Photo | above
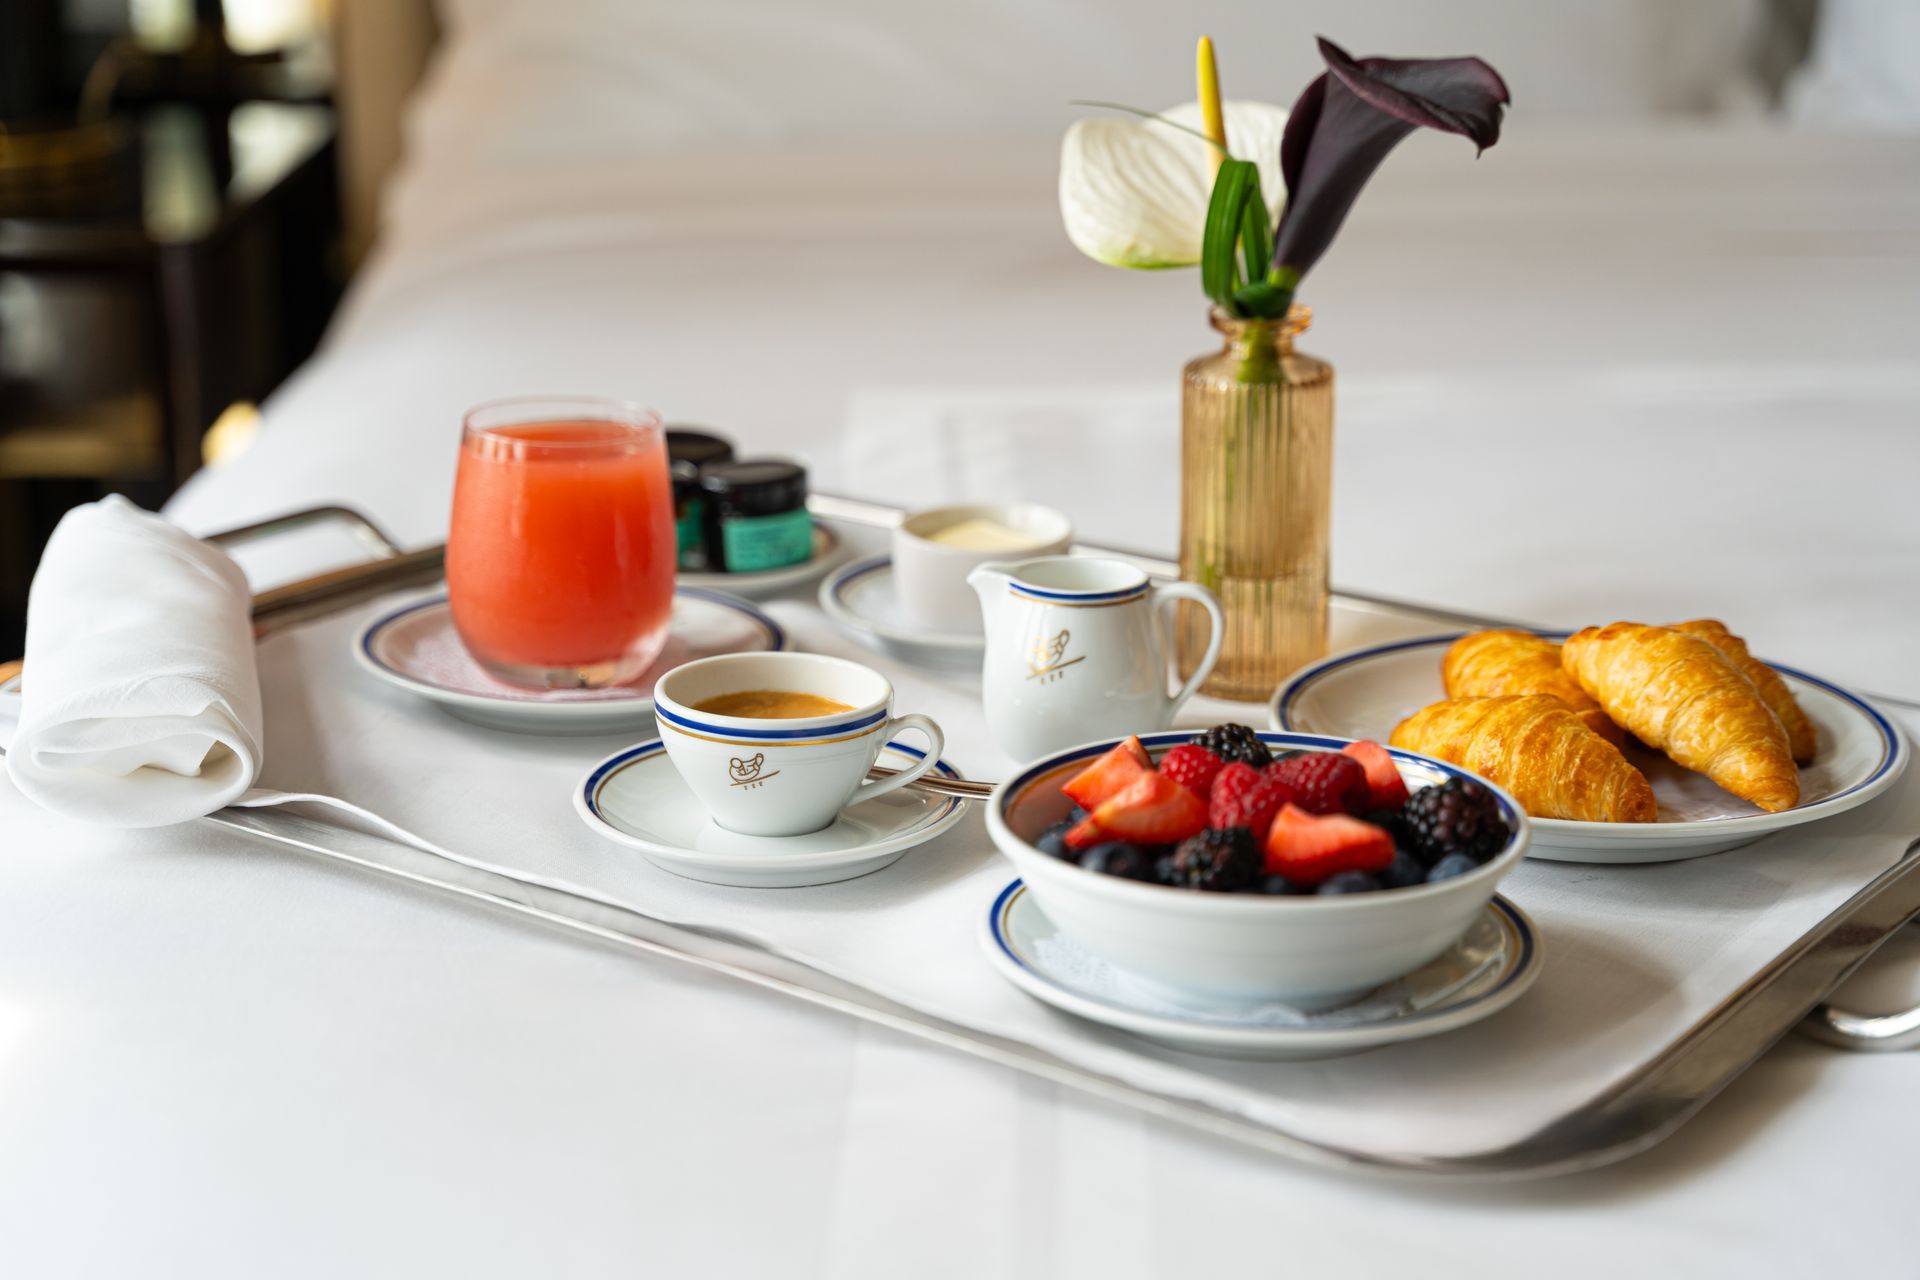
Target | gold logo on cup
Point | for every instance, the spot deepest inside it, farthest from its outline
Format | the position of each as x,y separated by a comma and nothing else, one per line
746,773
1048,658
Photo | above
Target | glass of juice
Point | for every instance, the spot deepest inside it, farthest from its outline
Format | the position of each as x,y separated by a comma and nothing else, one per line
560,559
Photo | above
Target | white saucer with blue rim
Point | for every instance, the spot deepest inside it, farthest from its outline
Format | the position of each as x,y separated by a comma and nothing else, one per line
1365,692
636,798
766,582
1491,966
860,598
416,648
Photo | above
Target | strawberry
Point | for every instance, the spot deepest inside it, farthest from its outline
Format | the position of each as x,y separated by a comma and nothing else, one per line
1111,773
1389,789
1193,767
1325,782
1244,796
1084,834
1308,849
1153,810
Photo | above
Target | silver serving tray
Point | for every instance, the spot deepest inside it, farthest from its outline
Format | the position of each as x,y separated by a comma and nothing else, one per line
1634,1115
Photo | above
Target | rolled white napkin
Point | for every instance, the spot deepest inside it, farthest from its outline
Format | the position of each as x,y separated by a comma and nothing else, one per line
141,699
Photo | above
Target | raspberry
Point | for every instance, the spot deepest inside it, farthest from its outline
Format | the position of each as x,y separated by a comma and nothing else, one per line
1244,796
1193,767
1325,782
1233,742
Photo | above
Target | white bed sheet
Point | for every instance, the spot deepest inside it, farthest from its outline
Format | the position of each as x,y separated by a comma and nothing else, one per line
1594,374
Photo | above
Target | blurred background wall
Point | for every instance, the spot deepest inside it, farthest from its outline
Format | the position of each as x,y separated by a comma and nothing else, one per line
186,185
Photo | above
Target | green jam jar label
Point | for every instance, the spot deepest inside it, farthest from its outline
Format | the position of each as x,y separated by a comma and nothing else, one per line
754,543
690,534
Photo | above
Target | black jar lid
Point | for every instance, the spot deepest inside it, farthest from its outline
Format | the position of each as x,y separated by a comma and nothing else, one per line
758,487
686,479
701,448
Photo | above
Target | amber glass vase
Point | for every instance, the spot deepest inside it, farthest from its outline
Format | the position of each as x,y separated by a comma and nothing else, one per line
1256,479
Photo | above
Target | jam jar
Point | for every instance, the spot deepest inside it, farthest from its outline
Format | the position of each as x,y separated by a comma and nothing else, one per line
756,515
688,450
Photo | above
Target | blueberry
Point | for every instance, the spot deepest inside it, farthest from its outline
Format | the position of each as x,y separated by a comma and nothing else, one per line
1280,885
1053,841
1403,872
1348,882
1117,858
1454,864
1077,815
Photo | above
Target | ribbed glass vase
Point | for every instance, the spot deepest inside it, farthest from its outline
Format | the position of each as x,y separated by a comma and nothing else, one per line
1255,491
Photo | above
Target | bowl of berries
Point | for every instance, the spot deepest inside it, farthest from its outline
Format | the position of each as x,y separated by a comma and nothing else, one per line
1234,865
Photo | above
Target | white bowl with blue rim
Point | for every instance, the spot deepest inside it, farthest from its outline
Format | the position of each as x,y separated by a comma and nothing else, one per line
1365,692
415,648
1239,949
1493,964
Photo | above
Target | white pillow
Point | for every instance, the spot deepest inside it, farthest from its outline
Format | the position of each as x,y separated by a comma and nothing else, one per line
565,79
1864,71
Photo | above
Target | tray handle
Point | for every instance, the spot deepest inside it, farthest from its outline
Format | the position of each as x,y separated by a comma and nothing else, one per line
1863,1033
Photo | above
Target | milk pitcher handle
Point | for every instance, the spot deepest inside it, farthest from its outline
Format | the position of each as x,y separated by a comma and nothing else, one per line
1163,599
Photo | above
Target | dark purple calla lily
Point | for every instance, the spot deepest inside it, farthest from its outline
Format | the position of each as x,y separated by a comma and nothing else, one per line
1347,121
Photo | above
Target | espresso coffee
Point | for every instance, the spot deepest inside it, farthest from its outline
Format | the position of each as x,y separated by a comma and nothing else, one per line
771,704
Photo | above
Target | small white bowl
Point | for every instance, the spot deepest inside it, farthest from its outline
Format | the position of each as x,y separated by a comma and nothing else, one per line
1237,948
931,577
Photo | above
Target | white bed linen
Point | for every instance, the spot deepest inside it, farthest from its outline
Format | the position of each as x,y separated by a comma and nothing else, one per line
1621,374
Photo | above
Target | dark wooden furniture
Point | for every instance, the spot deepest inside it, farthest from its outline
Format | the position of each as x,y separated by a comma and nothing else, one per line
192,271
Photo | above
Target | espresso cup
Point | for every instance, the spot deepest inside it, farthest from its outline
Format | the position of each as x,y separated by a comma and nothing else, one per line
783,776
930,576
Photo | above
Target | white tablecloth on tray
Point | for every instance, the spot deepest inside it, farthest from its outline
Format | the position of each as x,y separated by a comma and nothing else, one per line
1635,955
220,1059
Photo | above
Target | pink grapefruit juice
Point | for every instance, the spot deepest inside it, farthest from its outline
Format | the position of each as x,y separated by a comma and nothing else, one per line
561,555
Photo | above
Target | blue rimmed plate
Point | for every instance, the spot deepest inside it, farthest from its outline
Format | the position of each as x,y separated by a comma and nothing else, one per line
1365,692
415,648
636,798
860,599
1491,966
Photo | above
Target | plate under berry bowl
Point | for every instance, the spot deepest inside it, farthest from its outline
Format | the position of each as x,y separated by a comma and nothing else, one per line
1488,968
1242,949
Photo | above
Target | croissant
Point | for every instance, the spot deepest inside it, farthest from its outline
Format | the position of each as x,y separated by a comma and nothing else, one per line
1773,690
1680,694
1492,664
1540,751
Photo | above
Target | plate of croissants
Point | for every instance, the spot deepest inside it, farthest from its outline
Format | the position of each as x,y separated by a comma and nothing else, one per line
1624,743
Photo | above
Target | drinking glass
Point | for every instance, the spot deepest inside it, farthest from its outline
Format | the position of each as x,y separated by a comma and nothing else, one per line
560,559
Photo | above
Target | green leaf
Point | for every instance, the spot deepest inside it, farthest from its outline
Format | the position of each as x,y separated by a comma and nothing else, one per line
1235,185
1263,300
1256,234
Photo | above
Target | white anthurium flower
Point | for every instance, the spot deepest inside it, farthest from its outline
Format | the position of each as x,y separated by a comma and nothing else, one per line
1134,192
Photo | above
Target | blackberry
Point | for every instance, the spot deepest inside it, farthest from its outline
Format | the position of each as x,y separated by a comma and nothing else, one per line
1458,816
1223,860
1235,742
1117,858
